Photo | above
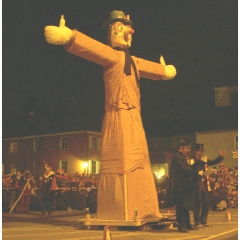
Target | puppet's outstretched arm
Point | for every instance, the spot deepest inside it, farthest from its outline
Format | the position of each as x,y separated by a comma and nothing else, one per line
58,35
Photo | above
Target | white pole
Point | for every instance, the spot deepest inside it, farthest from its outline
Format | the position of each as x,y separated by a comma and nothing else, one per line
125,197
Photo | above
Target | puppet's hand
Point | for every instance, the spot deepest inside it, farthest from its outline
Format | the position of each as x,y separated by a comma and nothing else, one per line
170,70
58,35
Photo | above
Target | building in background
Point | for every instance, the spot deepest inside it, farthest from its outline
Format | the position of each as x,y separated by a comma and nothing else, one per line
80,151
74,152
226,96
161,149
213,140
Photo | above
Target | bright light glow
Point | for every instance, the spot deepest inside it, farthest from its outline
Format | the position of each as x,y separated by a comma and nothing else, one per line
85,165
159,171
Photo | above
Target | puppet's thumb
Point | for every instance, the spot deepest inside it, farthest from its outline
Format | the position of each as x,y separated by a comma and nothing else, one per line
62,21
162,60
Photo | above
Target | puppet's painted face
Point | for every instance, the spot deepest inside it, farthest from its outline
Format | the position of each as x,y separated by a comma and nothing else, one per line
121,35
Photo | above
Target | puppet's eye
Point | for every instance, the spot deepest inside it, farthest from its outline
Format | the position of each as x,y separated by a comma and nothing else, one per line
120,28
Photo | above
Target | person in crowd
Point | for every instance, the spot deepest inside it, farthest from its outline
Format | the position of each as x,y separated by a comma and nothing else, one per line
63,182
212,180
26,184
6,193
88,181
219,197
34,204
74,193
38,192
39,182
181,189
232,199
12,191
82,181
214,173
162,197
223,176
203,183
95,181
164,181
235,174
60,178
34,184
16,185
230,171
47,193
233,183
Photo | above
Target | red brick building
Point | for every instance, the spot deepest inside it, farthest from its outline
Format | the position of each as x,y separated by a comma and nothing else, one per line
78,151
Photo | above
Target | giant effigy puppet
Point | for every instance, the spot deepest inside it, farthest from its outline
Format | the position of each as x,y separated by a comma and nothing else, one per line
126,181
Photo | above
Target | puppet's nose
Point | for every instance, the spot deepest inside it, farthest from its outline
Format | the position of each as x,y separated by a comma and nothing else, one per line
131,31
128,30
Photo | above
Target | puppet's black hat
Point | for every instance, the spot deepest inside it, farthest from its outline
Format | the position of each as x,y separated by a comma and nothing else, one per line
117,16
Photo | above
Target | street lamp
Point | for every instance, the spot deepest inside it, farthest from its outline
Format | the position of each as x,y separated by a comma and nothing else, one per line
85,167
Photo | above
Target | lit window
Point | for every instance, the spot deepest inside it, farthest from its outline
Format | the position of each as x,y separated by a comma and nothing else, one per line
63,165
13,147
94,166
37,145
64,143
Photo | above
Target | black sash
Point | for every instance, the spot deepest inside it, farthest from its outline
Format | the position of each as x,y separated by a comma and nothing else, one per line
128,62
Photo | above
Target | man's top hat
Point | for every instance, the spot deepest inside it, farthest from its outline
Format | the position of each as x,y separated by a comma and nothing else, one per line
199,147
117,16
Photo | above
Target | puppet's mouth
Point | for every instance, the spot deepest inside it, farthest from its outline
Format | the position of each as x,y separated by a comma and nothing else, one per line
126,37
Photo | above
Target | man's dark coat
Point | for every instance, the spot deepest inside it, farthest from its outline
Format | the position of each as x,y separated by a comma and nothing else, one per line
182,181
201,181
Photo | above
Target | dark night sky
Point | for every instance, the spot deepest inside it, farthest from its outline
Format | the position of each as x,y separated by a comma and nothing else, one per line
198,37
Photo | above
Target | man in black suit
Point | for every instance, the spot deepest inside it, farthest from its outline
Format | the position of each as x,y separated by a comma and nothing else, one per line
203,184
182,186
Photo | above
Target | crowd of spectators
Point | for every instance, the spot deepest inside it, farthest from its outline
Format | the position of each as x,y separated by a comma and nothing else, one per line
223,184
80,191
74,192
